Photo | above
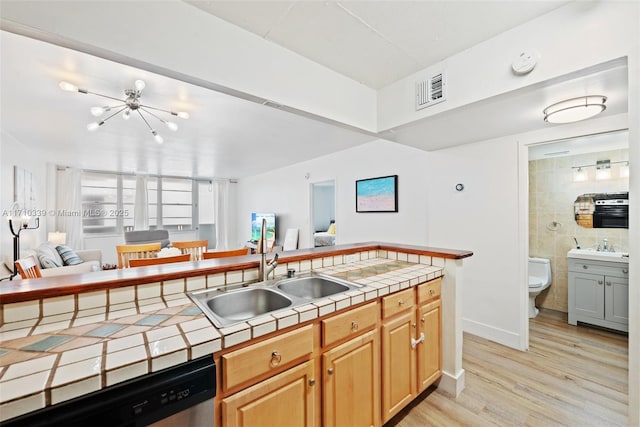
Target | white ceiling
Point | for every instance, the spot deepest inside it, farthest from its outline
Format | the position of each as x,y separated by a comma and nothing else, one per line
377,42
224,137
234,138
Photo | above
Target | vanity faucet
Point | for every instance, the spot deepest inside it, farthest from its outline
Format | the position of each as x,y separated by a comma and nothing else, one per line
604,246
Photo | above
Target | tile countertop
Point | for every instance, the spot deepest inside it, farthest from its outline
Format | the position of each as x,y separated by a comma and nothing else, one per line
47,360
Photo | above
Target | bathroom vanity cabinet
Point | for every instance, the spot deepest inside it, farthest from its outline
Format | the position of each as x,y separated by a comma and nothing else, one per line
599,293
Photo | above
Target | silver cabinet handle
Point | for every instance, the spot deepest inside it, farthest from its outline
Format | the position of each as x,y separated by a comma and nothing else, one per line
625,270
600,282
585,266
415,342
312,382
608,283
330,371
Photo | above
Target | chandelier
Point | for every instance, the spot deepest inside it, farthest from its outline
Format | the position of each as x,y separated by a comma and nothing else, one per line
131,104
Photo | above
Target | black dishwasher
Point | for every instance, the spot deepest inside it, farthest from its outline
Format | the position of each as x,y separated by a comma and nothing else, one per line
134,403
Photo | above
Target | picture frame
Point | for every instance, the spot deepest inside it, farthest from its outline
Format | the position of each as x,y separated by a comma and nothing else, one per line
377,194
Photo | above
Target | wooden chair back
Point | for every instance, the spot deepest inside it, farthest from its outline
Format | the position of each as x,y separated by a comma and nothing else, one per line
28,268
129,252
226,254
142,262
194,247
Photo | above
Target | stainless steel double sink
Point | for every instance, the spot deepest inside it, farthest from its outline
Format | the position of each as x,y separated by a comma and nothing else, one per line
225,308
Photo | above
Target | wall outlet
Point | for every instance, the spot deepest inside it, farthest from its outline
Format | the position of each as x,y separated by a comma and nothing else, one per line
350,258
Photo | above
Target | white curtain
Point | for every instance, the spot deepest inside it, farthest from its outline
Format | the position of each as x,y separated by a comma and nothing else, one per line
141,206
221,212
69,200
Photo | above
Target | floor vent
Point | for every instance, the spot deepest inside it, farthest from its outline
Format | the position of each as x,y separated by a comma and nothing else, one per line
430,92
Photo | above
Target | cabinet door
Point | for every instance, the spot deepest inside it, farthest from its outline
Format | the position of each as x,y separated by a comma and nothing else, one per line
429,351
398,364
588,295
284,400
617,299
351,383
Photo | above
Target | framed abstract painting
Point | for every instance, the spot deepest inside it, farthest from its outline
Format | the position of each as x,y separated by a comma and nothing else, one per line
377,194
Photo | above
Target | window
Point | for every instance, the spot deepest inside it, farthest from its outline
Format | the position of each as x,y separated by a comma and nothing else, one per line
108,203
99,196
176,203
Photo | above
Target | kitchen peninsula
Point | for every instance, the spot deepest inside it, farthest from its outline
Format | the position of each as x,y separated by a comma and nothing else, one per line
66,337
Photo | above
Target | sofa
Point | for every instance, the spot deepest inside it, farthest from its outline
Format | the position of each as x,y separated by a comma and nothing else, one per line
91,261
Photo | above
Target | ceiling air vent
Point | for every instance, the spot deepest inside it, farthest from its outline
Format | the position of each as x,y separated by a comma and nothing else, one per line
430,92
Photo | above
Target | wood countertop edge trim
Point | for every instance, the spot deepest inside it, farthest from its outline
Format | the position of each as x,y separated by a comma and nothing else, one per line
32,289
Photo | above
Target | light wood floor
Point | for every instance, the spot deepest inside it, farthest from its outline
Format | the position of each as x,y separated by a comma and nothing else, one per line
571,376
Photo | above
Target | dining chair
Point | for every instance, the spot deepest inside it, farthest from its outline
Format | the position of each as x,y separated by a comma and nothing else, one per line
143,262
129,252
225,254
28,268
194,247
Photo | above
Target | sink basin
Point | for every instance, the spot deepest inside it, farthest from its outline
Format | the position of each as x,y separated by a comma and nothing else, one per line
593,254
311,287
224,308
235,306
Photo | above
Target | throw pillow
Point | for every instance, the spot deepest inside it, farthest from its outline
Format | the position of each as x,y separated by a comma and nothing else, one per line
49,250
46,262
69,257
332,229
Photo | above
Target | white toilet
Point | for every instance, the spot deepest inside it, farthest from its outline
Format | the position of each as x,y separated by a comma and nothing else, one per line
539,280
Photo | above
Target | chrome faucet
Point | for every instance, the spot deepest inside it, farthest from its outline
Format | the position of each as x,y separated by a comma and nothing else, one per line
265,267
605,247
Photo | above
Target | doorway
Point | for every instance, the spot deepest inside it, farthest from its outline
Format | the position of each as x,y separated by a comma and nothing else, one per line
563,175
323,213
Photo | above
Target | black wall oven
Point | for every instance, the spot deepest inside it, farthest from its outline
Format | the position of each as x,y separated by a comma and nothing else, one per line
611,211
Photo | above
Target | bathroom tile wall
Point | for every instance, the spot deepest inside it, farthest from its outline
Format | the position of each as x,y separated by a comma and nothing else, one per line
552,193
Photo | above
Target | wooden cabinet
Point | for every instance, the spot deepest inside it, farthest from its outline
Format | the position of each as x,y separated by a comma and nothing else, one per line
357,368
351,380
599,293
287,399
349,324
411,345
398,363
430,350
267,357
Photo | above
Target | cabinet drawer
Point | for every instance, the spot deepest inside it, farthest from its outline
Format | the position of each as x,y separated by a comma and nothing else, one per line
429,290
350,323
395,303
242,365
616,269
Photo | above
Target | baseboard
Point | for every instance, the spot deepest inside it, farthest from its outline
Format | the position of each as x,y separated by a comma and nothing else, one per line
452,384
501,336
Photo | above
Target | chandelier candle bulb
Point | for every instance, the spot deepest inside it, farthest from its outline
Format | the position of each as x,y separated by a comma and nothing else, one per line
140,85
68,87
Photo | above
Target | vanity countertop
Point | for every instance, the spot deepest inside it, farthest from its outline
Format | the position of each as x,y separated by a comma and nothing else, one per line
595,255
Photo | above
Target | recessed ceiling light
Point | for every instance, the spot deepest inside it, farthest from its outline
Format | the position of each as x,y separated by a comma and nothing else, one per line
575,109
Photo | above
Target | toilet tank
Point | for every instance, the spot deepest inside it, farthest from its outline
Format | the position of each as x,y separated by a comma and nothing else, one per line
541,268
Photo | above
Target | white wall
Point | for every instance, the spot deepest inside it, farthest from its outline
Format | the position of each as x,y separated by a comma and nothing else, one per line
483,218
14,153
287,193
570,38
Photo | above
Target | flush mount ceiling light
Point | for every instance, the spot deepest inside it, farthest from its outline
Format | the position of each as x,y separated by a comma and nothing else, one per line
131,104
575,109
